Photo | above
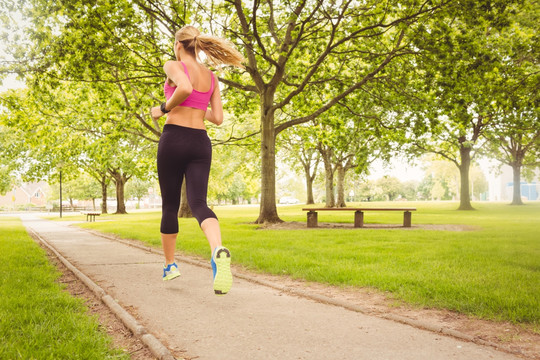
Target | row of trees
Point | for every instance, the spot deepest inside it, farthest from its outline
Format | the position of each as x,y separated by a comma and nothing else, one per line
458,97
350,82
440,182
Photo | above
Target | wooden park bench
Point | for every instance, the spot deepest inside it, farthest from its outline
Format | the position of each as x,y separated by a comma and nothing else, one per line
312,220
91,215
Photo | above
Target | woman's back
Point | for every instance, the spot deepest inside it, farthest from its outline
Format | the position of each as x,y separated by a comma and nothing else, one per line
200,76
191,112
190,87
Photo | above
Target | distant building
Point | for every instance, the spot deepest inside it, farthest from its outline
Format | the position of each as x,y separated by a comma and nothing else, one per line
29,195
501,186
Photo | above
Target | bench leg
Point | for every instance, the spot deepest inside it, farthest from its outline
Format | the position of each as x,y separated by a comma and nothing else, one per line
407,215
312,221
358,219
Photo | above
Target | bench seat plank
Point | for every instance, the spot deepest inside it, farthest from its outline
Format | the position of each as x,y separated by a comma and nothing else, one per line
359,209
91,215
312,216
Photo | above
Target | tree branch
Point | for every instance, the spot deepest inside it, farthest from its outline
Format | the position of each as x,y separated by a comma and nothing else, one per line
352,88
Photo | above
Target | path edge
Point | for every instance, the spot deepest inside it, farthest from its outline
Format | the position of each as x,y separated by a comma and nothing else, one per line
155,346
419,324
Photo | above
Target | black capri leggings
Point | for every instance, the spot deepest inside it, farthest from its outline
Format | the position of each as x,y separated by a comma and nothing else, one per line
183,151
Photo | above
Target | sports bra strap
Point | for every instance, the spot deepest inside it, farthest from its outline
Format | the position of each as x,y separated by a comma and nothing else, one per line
197,99
185,70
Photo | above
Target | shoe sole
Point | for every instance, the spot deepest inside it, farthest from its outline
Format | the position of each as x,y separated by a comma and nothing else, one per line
223,280
171,276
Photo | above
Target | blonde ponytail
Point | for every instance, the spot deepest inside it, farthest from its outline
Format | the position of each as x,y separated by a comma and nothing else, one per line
218,51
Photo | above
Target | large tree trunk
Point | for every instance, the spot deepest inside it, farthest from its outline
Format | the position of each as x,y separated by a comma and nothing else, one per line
104,184
119,181
516,197
328,177
309,186
465,197
268,210
341,187
120,200
307,164
185,210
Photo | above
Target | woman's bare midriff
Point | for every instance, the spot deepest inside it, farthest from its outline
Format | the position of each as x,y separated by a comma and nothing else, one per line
187,117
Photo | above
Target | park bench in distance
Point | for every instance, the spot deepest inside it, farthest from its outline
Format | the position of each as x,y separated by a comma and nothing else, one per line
312,217
91,215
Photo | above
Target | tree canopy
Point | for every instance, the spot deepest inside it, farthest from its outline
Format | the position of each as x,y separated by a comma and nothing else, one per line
447,76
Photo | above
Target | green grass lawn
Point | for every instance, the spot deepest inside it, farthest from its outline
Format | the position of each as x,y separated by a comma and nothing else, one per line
492,272
38,320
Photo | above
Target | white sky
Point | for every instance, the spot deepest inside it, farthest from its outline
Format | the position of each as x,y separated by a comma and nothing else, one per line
10,82
404,171
398,168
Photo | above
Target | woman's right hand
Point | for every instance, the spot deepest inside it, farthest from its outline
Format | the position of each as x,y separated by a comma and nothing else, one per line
156,112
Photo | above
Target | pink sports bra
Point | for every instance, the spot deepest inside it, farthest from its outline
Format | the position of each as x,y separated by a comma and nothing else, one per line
197,99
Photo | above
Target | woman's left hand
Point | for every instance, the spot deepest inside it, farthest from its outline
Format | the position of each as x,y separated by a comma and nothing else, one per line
156,112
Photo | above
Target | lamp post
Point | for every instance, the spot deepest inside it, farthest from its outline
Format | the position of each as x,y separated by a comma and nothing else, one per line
60,166
60,192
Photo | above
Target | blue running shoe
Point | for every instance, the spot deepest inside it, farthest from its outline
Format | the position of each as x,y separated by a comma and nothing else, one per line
221,265
170,272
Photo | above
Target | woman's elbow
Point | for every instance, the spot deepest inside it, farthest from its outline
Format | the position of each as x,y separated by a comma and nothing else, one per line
218,120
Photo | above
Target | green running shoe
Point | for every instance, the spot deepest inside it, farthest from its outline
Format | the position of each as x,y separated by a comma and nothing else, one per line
221,264
170,272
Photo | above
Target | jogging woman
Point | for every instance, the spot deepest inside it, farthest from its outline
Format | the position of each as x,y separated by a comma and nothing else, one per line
184,147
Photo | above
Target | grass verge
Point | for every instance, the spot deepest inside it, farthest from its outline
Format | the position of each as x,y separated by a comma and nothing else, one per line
38,320
492,272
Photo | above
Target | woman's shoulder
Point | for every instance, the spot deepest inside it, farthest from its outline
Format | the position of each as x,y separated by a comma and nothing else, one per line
172,64
175,66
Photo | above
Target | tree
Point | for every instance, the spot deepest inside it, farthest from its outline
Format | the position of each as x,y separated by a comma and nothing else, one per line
391,187
327,154
138,188
410,190
110,48
123,43
233,175
100,175
347,141
304,57
479,184
299,148
81,187
515,137
443,177
425,187
462,80
5,180
438,192
134,157
75,139
10,146
32,157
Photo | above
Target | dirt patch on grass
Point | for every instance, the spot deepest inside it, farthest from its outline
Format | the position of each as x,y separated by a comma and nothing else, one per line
296,225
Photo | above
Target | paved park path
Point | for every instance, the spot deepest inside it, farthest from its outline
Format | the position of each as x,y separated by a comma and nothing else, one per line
252,322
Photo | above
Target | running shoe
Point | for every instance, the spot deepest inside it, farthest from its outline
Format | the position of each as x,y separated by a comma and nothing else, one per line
170,272
221,265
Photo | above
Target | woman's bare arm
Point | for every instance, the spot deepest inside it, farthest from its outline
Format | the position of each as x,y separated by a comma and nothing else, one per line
215,113
175,73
